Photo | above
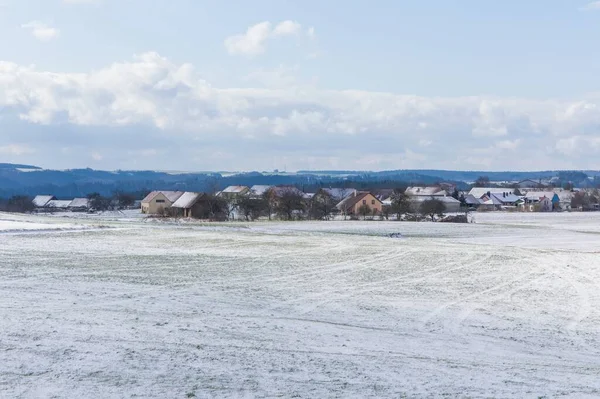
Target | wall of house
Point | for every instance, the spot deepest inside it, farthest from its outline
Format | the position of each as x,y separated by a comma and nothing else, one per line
156,205
371,201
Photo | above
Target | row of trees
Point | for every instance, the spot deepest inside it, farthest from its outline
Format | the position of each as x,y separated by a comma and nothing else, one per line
286,204
291,205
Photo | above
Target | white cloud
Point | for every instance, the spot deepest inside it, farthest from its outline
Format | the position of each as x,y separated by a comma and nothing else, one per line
291,118
310,32
254,40
287,28
16,149
250,43
594,5
41,31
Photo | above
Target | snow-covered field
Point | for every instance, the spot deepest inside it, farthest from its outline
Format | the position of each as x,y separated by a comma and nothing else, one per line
125,307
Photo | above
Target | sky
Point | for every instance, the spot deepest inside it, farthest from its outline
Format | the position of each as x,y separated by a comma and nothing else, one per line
237,85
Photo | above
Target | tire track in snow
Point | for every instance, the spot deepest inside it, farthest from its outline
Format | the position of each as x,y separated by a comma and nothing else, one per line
365,288
435,313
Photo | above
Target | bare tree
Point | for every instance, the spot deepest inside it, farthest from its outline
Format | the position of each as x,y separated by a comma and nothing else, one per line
432,208
270,200
364,210
322,206
400,203
20,203
482,181
252,208
288,203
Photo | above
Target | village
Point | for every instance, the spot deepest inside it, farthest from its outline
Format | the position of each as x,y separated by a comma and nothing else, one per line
433,203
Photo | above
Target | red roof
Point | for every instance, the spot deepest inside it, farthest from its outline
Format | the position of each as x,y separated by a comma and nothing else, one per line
352,201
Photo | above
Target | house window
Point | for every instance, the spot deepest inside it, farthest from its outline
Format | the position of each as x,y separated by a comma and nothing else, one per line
372,202
364,202
160,201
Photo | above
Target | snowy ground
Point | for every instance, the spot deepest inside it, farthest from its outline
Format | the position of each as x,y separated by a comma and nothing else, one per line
124,307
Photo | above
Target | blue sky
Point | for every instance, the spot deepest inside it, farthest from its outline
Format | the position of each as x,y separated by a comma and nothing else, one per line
238,85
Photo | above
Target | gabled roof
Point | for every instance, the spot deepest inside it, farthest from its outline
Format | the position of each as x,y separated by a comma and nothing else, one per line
187,200
445,200
426,191
259,189
235,189
479,192
351,201
383,194
59,204
172,196
471,200
42,200
80,203
506,198
338,193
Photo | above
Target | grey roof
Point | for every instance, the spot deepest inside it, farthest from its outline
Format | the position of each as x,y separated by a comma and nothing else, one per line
446,200
42,200
59,204
234,189
479,192
471,200
187,200
80,203
426,191
506,199
259,189
340,193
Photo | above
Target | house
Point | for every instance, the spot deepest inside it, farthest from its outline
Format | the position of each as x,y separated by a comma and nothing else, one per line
431,191
234,191
537,197
58,205
187,205
505,199
40,201
352,205
158,201
546,204
80,205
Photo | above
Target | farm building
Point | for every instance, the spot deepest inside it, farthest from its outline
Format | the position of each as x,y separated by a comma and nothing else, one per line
80,204
58,205
40,201
158,201
234,191
259,190
188,205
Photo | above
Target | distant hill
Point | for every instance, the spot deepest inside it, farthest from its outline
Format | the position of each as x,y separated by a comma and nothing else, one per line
32,180
17,166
